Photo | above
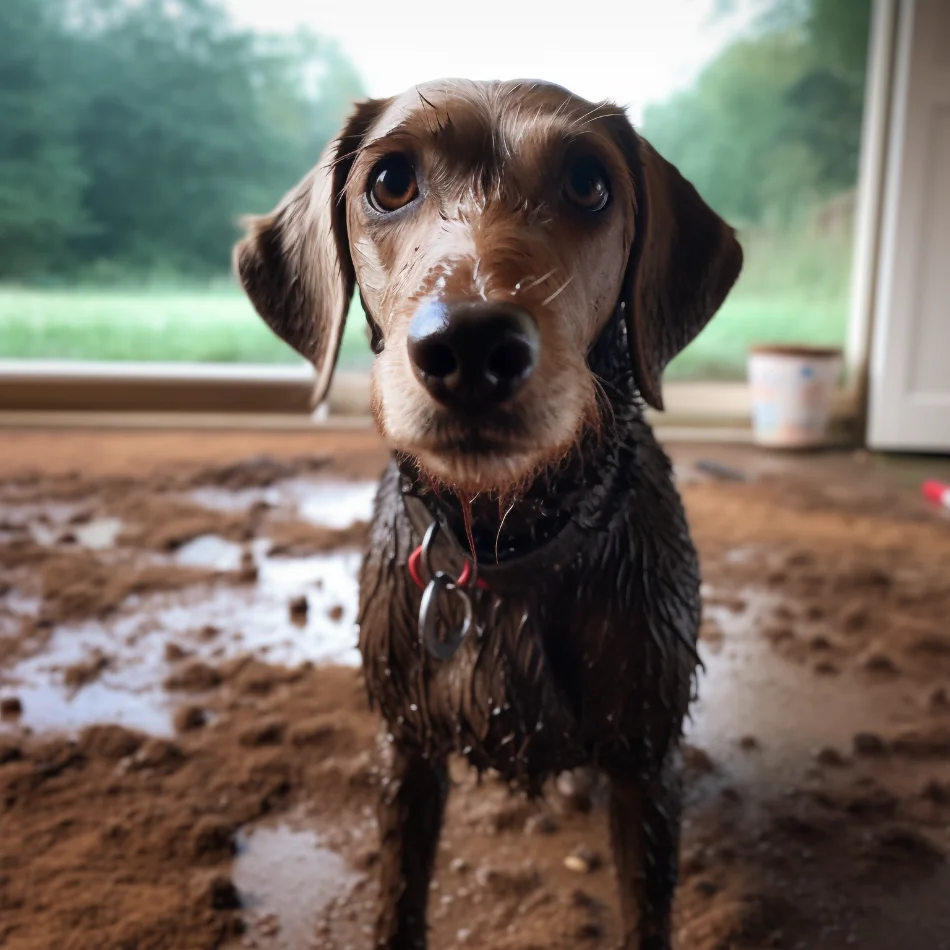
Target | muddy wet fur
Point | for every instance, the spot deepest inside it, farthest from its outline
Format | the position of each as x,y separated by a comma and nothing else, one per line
583,649
590,660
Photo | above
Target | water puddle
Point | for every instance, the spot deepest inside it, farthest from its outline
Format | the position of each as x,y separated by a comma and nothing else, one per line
212,622
15,609
328,503
210,551
98,534
53,523
337,506
286,879
44,522
749,690
256,618
225,499
48,706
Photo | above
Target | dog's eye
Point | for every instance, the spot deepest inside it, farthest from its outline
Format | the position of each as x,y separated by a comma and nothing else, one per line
392,184
586,186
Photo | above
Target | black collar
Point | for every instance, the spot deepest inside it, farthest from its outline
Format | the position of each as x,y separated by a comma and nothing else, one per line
547,525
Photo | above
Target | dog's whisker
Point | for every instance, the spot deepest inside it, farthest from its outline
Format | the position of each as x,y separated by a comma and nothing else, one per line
539,280
557,292
590,118
501,526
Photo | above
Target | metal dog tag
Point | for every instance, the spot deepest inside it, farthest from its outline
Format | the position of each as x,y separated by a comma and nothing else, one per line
442,648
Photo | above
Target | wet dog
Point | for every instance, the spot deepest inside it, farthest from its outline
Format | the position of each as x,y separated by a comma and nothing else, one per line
530,596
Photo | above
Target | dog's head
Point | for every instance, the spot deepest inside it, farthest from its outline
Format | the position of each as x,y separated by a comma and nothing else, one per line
492,230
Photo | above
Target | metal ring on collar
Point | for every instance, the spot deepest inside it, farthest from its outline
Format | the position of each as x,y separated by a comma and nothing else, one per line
442,649
427,543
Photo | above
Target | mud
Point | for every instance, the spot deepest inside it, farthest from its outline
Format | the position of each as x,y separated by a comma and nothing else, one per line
187,759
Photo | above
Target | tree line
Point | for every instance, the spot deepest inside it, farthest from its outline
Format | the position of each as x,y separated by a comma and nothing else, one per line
773,124
134,135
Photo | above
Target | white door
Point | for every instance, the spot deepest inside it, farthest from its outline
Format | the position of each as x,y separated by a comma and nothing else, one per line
909,388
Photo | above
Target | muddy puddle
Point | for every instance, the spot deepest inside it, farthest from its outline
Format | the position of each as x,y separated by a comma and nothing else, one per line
287,880
761,716
143,641
188,760
333,504
286,610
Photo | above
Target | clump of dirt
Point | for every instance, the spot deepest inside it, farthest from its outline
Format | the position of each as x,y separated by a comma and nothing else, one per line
188,718
300,539
259,471
21,551
165,523
75,587
298,608
136,834
195,677
80,674
252,676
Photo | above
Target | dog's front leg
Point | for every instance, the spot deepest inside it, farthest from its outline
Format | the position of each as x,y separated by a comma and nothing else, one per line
410,818
644,831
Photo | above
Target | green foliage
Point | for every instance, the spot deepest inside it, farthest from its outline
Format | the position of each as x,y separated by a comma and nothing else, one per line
135,135
773,124
41,180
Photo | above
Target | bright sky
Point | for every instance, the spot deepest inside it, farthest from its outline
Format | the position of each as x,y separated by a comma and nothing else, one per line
631,51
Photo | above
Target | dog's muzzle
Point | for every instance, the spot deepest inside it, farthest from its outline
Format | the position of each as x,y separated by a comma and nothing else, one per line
473,355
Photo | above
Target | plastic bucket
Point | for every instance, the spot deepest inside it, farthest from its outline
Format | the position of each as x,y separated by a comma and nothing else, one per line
792,390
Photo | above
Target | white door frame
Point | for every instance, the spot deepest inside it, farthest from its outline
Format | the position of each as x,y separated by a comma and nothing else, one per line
870,192
904,411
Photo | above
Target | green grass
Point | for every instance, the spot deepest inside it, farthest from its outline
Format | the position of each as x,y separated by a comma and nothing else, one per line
214,326
793,289
719,352
221,327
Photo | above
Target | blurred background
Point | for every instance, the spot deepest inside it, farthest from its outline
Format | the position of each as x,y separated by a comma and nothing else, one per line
136,132
187,759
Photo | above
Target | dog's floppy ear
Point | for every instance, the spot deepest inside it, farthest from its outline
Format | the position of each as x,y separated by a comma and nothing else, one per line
683,262
295,263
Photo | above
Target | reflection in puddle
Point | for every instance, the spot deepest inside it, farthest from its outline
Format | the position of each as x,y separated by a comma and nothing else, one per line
339,506
286,879
253,618
15,608
58,524
248,618
740,555
210,551
327,503
225,499
98,534
749,689
46,705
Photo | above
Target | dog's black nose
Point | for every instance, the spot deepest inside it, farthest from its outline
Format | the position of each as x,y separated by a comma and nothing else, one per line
470,354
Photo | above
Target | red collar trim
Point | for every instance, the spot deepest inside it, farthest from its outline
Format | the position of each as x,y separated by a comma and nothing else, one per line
415,572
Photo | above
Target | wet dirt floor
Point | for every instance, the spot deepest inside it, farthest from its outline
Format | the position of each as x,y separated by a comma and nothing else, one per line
187,759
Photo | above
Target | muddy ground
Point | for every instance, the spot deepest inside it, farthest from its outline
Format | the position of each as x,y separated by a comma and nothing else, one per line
187,759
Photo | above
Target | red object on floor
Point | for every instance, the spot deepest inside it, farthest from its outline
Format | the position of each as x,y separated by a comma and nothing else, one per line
937,492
